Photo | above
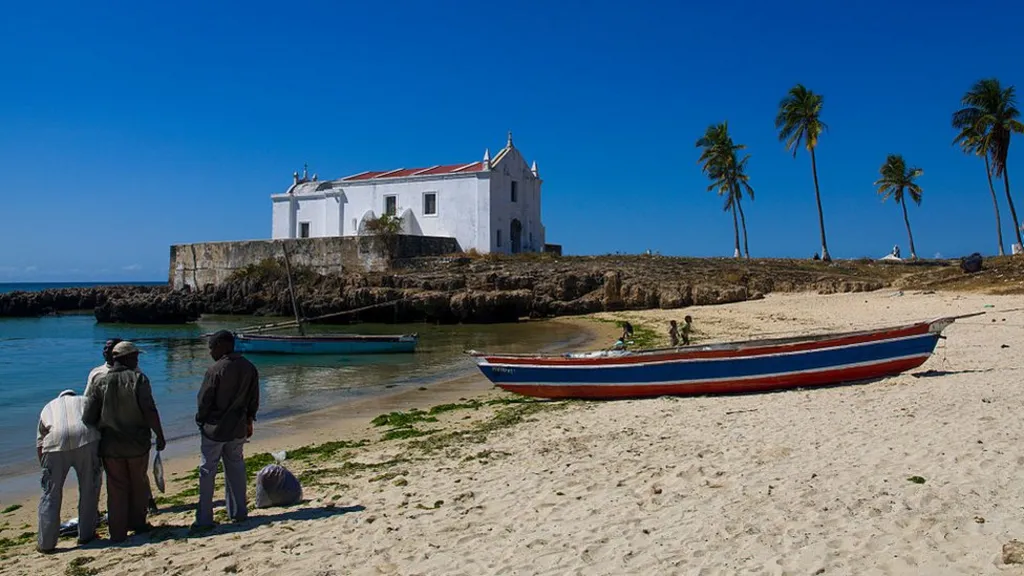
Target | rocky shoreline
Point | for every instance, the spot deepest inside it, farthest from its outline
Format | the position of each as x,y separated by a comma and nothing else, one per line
21,304
472,290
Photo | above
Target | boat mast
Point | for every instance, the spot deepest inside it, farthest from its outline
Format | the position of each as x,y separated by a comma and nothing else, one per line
291,288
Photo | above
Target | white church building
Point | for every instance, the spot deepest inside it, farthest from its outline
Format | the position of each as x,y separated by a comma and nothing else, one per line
491,205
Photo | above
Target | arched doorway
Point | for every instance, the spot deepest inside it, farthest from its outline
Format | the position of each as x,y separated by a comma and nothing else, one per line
516,236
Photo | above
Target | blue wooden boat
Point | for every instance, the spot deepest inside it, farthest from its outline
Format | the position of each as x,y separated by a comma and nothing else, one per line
342,344
752,366
252,340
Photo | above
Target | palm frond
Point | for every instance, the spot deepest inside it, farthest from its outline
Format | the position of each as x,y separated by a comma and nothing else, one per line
798,120
896,179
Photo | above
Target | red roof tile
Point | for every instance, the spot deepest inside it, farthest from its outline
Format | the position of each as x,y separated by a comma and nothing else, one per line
428,171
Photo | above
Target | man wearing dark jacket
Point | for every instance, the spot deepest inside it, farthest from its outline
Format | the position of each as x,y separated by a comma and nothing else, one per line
120,404
227,404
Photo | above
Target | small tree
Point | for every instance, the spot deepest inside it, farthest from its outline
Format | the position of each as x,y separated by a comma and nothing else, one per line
386,229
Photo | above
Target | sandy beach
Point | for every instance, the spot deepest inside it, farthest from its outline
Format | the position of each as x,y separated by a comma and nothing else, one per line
799,482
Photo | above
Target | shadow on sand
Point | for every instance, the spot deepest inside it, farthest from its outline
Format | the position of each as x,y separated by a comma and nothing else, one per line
937,373
182,532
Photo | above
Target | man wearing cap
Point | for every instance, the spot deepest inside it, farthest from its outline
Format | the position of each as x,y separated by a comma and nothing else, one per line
227,404
64,442
102,369
99,372
120,404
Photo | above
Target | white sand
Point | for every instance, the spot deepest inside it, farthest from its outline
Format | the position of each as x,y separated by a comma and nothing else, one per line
801,482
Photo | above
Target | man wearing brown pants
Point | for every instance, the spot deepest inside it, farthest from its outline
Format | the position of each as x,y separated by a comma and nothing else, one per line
121,406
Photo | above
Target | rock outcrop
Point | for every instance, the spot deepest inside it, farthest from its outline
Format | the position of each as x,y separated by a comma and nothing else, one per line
488,290
53,301
468,290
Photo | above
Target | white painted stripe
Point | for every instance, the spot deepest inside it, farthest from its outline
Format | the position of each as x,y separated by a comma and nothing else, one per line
714,380
640,359
385,175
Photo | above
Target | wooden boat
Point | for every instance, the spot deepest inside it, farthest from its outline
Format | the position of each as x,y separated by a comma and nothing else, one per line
752,366
252,340
325,344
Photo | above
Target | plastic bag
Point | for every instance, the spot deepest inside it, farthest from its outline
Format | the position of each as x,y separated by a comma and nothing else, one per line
158,472
276,485
70,528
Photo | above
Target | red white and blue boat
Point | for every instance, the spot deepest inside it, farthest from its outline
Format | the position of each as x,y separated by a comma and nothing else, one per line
736,367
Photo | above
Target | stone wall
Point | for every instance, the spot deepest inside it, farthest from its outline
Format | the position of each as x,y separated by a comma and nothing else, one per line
198,265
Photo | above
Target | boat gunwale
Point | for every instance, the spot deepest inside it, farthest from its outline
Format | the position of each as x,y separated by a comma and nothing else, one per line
694,350
328,338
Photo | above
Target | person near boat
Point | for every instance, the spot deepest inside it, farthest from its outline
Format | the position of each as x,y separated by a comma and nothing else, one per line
680,335
227,404
120,404
64,442
100,371
684,331
625,339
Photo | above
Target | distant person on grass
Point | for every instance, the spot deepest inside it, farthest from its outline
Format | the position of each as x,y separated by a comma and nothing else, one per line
227,404
120,404
624,340
99,372
64,442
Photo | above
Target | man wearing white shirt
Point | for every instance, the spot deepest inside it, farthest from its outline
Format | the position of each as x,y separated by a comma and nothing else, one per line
64,442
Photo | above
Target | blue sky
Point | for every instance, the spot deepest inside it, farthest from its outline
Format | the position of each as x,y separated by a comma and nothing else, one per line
128,126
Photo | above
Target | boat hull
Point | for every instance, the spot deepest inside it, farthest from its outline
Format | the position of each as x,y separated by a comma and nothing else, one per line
325,344
717,369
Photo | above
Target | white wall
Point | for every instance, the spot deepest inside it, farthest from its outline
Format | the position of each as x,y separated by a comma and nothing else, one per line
461,200
526,209
281,227
312,210
470,207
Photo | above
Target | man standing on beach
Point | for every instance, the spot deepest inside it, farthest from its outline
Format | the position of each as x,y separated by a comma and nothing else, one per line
120,404
64,442
102,369
227,404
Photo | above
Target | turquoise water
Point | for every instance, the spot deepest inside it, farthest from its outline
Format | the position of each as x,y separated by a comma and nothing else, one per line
39,357
37,286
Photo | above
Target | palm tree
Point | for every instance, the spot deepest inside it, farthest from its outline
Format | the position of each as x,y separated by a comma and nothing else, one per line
897,180
744,187
728,175
972,141
992,111
799,122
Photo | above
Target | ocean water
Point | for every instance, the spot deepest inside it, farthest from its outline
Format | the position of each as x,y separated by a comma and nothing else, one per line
37,286
40,357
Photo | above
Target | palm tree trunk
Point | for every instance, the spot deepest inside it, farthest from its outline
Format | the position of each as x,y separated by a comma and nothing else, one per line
1009,200
736,231
910,235
995,204
743,223
821,216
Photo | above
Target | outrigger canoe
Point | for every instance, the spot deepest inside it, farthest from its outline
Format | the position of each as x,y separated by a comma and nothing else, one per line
735,367
325,344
